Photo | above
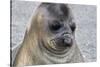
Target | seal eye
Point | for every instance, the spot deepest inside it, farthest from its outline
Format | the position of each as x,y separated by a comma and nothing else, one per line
73,26
56,25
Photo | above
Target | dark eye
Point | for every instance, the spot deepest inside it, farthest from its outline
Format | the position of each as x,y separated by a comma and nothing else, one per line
56,25
73,26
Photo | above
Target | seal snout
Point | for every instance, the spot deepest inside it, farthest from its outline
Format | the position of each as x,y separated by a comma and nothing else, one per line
63,41
67,39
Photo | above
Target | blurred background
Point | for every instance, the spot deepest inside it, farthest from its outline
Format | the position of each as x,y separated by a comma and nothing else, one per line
85,17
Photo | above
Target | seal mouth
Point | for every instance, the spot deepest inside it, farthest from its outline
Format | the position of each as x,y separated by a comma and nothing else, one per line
63,42
58,45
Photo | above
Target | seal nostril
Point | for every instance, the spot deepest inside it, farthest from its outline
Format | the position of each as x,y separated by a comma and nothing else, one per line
66,34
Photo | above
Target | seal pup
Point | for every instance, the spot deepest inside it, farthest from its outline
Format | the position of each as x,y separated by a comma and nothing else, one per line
50,38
